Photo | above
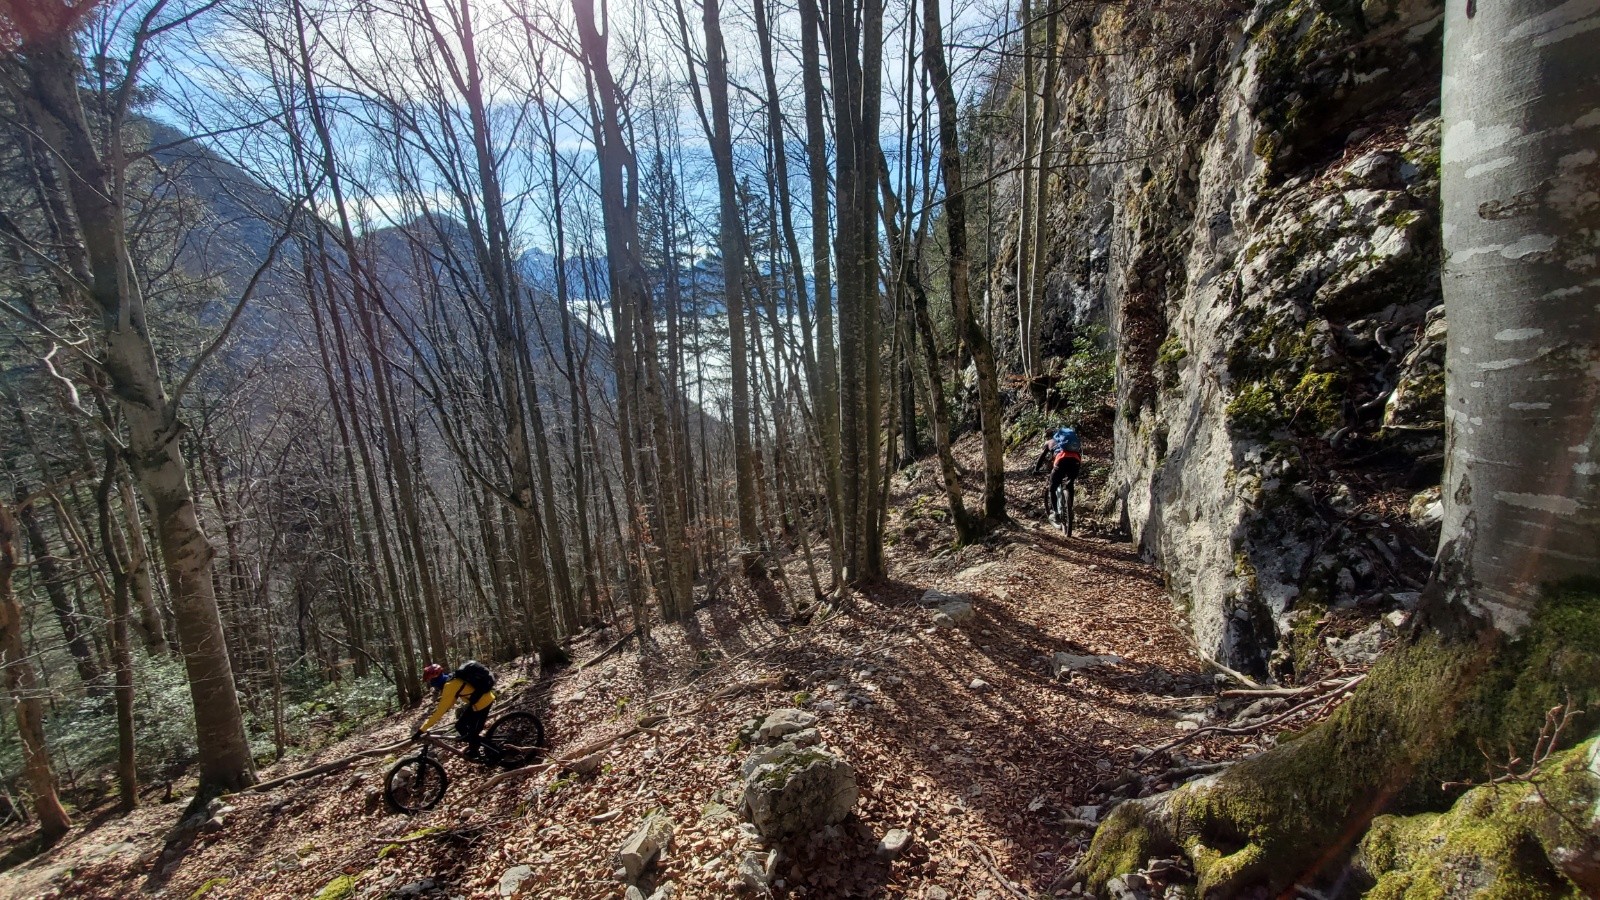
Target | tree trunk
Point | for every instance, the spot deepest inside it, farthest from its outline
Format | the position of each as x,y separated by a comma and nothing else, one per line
1522,478
580,480
72,625
129,360
619,195
1507,628
23,686
973,336
1041,184
731,239
151,630
120,563
1025,217
967,529
856,54
827,399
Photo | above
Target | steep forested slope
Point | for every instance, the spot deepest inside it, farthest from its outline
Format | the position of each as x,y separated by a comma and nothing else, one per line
995,741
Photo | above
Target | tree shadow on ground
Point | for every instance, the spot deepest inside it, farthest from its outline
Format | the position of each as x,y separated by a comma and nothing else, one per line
1018,751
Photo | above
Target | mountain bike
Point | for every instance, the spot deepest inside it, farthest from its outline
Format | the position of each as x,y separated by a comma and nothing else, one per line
1065,492
417,783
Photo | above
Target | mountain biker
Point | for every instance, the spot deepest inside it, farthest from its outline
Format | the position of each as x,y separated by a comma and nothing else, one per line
1062,450
473,685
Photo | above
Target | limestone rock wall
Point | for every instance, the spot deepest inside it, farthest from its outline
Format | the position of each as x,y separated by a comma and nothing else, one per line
1247,194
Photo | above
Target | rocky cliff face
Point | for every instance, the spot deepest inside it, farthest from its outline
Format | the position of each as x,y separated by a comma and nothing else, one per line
1248,196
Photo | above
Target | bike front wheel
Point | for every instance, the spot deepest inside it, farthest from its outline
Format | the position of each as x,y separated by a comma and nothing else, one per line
515,739
415,784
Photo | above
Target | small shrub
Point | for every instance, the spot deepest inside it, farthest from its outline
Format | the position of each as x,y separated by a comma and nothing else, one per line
1168,357
1087,387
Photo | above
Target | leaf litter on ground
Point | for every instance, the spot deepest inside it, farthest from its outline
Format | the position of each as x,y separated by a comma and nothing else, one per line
992,783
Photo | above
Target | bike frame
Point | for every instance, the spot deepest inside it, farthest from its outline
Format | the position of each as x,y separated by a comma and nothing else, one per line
430,740
449,745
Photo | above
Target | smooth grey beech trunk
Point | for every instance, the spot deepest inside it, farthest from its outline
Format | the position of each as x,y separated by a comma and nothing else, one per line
1521,209
129,360
731,238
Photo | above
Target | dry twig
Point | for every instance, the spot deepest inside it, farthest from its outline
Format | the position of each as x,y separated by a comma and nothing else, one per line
994,870
1250,729
1556,720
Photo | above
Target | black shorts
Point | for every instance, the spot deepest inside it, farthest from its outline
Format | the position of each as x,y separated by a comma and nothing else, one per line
1067,468
470,722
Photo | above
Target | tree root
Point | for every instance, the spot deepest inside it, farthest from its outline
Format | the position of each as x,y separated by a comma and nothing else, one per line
645,724
1329,696
1291,814
328,767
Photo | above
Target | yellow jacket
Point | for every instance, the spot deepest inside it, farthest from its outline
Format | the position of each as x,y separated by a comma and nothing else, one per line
457,689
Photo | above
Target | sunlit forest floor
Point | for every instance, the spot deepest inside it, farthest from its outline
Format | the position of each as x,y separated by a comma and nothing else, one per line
961,735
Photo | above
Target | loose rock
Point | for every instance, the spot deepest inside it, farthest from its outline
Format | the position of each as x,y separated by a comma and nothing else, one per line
588,766
894,844
957,611
511,881
1071,662
1128,887
936,597
756,870
642,848
1361,648
782,722
793,790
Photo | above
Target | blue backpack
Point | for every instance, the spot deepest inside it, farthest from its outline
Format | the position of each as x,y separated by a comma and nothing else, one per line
1066,439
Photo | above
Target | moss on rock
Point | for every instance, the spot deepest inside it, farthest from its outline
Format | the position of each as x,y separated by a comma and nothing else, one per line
1500,841
1304,636
1131,834
1419,720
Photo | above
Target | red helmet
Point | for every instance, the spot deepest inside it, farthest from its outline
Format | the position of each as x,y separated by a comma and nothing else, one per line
432,672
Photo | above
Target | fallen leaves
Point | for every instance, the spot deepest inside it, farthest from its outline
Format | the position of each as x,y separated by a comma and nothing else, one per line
987,780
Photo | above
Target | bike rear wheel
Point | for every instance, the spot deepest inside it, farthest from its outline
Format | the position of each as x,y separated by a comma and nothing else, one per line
415,784
1064,498
515,739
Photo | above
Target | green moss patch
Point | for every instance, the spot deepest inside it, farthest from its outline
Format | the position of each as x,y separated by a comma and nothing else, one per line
1304,638
1121,844
1280,379
340,888
210,885
1426,715
1497,841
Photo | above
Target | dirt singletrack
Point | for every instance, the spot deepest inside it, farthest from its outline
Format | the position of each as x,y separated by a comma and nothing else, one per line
963,735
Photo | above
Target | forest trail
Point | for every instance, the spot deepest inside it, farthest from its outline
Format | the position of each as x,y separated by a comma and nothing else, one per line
959,734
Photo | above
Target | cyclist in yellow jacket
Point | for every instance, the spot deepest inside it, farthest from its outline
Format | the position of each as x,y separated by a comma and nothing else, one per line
473,686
